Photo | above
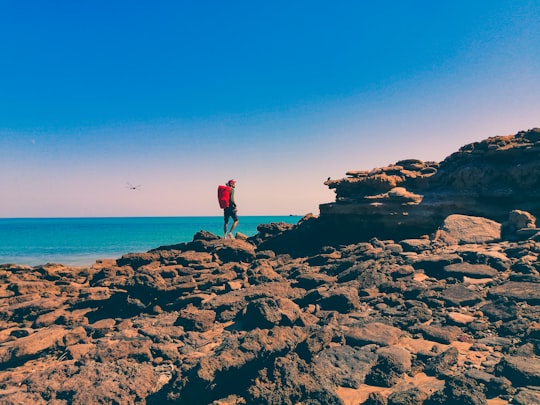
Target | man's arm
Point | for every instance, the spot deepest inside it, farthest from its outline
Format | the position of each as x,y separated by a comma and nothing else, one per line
233,204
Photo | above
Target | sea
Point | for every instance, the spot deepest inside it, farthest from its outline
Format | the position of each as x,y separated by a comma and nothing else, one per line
82,241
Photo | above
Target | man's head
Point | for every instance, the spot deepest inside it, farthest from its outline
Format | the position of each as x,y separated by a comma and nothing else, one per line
231,183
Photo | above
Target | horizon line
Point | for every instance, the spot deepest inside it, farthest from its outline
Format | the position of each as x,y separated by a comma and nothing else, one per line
153,216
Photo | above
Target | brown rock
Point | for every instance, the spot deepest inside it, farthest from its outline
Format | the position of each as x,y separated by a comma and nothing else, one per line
20,287
193,319
518,219
290,380
433,265
341,299
102,327
346,366
459,390
526,397
374,332
443,362
441,334
460,296
29,347
460,319
462,270
519,291
460,229
392,363
136,260
309,281
267,313
191,257
520,370
122,381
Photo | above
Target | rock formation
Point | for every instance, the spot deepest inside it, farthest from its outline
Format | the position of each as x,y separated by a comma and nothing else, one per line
449,318
487,179
411,198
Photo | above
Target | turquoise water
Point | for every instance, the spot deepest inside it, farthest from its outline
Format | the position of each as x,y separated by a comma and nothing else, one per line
81,241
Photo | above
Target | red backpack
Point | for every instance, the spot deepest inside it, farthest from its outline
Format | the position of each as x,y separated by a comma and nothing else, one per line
224,196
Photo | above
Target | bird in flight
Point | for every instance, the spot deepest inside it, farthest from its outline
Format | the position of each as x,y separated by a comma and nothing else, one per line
132,187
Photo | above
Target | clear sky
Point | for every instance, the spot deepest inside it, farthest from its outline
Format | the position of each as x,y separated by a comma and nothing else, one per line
180,96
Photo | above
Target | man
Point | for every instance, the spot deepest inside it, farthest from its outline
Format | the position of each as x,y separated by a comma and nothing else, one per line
230,212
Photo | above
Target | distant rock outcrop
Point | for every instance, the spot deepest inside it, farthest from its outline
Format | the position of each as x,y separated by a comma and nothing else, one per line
411,198
488,179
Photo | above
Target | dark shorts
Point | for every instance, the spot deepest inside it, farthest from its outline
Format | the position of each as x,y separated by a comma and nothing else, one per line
230,213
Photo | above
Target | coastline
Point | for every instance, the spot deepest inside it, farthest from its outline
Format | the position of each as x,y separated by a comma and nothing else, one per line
80,241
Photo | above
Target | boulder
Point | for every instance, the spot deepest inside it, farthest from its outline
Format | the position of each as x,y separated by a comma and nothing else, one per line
392,363
441,334
500,309
460,296
346,366
31,346
136,260
408,397
462,229
443,362
194,319
267,313
462,270
522,371
372,333
341,299
518,219
290,380
434,265
518,291
459,390
527,397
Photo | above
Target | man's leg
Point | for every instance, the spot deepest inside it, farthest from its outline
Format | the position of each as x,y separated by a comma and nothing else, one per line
233,226
234,216
225,222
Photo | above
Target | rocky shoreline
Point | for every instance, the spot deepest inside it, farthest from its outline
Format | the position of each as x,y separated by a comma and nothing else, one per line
299,314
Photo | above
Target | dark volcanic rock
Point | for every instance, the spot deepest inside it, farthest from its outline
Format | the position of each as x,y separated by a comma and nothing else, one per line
194,319
527,397
392,363
289,381
412,396
267,313
346,366
443,362
520,370
442,334
459,295
500,309
518,291
370,333
434,265
470,270
459,390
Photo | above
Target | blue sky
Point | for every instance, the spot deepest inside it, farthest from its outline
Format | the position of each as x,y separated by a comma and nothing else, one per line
179,96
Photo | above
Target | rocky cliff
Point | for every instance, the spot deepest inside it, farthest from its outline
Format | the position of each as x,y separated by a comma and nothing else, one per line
450,318
410,198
